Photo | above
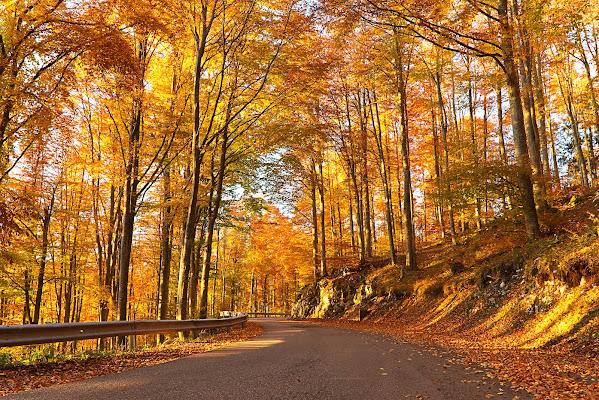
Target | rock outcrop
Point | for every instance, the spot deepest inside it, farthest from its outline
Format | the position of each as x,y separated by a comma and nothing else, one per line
342,296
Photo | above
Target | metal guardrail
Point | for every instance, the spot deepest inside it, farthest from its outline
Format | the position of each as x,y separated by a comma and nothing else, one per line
228,314
268,314
17,335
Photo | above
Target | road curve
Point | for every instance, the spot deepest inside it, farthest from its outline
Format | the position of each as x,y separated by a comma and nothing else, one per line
293,360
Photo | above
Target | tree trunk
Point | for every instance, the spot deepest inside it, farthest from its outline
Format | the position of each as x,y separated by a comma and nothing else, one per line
353,182
166,232
27,292
401,75
6,117
591,155
383,170
572,115
44,255
531,129
323,248
351,219
472,110
502,152
542,114
594,102
129,214
70,285
216,265
365,184
189,230
212,219
522,159
223,285
332,214
252,292
265,294
132,182
444,129
439,202
195,271
554,154
315,262
409,235
584,179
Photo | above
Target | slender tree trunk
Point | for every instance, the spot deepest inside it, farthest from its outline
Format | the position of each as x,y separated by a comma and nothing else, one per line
44,256
340,225
542,113
554,154
439,202
352,182
409,234
252,292
572,115
502,152
71,284
332,214
584,179
223,285
128,215
189,230
195,271
166,232
351,218
323,248
399,177
444,128
216,265
472,110
531,129
594,102
27,292
132,182
6,117
365,183
373,219
522,159
113,249
265,294
383,170
485,153
212,220
315,262
591,155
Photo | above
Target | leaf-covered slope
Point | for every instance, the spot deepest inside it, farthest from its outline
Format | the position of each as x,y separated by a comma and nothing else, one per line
494,288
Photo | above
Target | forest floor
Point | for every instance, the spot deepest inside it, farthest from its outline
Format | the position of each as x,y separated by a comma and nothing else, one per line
19,378
528,309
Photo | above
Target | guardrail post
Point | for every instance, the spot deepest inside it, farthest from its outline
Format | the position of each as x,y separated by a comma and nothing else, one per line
132,343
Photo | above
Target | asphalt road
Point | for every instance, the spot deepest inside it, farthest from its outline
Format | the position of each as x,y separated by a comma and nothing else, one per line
292,360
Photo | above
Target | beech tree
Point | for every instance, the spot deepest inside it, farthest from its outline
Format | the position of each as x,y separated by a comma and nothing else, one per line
478,42
262,148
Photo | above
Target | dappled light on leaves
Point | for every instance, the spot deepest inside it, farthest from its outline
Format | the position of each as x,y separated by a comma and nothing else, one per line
178,159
